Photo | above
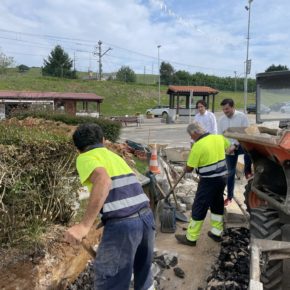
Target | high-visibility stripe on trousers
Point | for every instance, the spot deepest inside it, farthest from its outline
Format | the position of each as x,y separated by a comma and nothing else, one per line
216,222
193,230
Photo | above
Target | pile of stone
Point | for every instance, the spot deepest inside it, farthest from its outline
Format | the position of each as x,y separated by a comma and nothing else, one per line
85,280
161,263
231,270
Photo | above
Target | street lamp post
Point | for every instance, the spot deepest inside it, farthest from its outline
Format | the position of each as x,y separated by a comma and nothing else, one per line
158,46
248,62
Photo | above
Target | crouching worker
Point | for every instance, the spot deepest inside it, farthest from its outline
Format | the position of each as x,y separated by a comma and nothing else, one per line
128,238
207,156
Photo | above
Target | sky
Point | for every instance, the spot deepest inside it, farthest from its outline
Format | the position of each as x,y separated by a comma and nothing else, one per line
208,36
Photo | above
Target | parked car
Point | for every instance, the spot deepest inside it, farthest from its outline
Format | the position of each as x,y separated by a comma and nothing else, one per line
286,108
277,106
159,111
252,108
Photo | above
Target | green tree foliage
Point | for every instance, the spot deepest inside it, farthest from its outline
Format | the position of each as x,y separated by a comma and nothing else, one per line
126,74
169,76
58,64
183,77
276,68
23,68
5,62
166,73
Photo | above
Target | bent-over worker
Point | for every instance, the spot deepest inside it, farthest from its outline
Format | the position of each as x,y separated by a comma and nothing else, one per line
128,237
207,156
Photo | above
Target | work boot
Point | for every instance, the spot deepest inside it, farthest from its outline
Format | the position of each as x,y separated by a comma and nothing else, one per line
214,237
183,240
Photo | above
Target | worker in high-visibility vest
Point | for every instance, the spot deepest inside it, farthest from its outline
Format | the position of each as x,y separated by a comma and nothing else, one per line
207,156
129,230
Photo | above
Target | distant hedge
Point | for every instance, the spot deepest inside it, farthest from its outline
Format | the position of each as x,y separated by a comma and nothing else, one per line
111,129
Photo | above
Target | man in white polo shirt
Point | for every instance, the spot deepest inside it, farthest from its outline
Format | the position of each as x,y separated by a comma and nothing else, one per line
233,118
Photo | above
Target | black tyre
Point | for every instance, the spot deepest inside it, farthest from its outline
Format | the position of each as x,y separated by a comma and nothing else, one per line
251,198
265,224
247,194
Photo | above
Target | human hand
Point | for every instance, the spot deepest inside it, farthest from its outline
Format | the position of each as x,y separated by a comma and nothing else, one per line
75,234
231,149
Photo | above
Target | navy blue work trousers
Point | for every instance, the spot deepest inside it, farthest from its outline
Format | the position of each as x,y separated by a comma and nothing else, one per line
126,247
232,161
209,195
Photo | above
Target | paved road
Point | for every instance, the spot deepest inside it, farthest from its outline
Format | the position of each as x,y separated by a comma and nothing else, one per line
153,131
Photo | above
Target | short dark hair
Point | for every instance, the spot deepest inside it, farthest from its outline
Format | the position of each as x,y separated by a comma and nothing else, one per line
87,134
202,102
229,102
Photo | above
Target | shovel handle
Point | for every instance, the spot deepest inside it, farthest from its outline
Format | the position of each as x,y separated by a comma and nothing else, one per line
170,185
174,186
88,248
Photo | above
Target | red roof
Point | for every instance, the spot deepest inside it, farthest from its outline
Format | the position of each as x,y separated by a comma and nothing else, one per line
202,90
49,96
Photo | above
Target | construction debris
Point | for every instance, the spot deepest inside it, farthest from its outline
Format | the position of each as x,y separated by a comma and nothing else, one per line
161,262
179,272
231,270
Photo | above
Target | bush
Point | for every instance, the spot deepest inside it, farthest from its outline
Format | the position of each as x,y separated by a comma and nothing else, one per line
110,128
38,184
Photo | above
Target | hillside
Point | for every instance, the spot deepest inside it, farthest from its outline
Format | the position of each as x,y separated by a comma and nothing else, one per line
120,98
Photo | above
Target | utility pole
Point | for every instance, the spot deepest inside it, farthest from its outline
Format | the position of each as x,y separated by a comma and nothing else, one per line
247,62
158,46
100,55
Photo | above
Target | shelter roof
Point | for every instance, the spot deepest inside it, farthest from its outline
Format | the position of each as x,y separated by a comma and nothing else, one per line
197,90
29,95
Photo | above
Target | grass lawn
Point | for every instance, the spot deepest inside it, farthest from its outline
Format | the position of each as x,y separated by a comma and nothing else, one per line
119,98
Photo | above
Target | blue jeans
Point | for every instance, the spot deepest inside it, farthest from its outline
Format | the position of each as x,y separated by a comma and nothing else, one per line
232,161
126,247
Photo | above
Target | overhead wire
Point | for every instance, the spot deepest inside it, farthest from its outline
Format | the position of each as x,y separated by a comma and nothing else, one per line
81,42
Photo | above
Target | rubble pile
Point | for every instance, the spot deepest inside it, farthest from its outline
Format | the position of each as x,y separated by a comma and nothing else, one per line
231,270
161,263
85,280
164,262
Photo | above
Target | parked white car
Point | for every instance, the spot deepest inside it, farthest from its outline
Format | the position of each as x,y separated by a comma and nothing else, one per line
159,111
285,109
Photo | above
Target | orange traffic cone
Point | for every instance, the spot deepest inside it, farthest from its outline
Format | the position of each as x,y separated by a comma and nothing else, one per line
153,165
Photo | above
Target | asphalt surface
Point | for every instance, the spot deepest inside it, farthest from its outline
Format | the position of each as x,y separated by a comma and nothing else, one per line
154,131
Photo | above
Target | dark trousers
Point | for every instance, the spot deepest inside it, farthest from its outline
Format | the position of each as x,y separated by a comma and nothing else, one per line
126,247
209,195
232,161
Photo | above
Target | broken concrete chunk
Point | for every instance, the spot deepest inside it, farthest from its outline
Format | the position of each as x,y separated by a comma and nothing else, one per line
179,272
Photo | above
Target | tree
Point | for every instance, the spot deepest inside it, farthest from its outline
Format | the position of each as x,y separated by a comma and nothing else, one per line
126,74
58,64
276,68
5,62
182,77
166,73
23,68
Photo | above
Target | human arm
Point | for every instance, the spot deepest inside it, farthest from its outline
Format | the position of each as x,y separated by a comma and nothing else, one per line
188,169
101,184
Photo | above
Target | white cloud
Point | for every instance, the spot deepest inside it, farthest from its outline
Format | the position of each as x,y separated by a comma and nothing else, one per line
207,36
